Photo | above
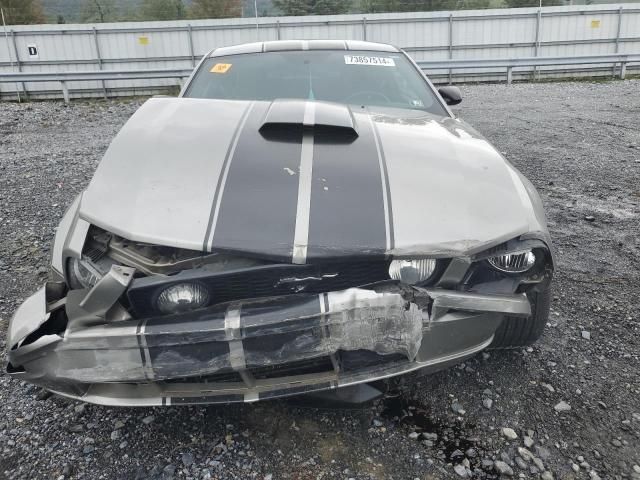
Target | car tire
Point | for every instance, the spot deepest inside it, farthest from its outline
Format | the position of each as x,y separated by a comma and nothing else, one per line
516,332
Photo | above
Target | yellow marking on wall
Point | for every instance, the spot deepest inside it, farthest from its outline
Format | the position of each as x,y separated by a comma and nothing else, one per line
595,23
143,40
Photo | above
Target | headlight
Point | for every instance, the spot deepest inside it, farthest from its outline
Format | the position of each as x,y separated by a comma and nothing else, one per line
82,273
516,262
182,297
412,271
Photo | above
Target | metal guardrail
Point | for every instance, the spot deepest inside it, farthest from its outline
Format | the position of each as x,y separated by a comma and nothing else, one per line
93,75
510,63
507,63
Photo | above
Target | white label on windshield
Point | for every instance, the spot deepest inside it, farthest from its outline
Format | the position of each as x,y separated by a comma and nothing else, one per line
362,60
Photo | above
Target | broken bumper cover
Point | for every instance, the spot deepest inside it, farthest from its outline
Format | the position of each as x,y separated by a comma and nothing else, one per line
250,350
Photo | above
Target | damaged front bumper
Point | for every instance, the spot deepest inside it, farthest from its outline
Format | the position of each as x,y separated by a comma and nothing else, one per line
248,350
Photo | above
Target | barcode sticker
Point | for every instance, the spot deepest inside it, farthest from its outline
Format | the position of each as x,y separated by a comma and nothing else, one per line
362,60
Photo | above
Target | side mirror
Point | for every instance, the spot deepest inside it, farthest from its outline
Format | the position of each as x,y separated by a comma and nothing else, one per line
450,94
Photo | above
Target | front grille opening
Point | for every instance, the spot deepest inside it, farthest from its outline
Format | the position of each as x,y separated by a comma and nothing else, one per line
264,281
269,281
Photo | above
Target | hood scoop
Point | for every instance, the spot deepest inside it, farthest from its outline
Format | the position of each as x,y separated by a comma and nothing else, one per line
287,120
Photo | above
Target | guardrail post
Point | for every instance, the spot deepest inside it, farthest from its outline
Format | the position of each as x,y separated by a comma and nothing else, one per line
450,46
18,65
536,75
619,29
623,70
99,58
65,91
278,29
191,52
509,75
364,28
618,37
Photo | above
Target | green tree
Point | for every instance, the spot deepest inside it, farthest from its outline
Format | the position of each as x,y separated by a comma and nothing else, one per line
215,8
330,7
22,12
99,11
162,10
531,3
312,7
292,7
377,6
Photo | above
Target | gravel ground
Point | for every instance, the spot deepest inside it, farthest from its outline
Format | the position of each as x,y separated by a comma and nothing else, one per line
567,408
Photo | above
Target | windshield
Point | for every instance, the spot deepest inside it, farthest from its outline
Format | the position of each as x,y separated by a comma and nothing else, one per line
354,77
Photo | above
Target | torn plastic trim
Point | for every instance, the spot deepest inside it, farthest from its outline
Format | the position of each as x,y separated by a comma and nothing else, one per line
104,294
513,305
35,312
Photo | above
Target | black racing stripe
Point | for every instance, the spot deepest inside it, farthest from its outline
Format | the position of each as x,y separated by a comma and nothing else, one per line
140,347
227,159
325,302
258,206
347,204
385,174
207,399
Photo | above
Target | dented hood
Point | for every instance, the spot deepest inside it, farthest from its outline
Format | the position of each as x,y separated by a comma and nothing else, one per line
295,181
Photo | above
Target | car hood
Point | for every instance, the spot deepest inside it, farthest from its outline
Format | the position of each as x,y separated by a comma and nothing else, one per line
297,181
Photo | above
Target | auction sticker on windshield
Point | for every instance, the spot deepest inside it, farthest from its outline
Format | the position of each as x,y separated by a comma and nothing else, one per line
363,60
220,68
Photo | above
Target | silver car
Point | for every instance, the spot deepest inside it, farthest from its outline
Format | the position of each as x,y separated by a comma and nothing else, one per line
306,216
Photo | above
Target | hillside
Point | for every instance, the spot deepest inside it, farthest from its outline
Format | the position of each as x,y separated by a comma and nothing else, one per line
75,11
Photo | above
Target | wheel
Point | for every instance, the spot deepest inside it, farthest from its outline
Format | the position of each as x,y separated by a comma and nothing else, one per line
517,331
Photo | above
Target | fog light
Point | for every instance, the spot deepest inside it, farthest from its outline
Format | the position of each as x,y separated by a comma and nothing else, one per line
516,262
182,297
412,271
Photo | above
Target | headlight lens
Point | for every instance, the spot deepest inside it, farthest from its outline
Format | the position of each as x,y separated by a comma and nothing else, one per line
516,262
182,297
82,274
412,271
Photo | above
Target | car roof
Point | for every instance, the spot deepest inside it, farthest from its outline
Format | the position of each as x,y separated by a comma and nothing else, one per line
293,45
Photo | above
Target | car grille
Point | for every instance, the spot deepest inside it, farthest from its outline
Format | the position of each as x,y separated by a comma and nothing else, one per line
262,281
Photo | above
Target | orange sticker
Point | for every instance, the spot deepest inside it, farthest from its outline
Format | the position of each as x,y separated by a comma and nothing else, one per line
220,68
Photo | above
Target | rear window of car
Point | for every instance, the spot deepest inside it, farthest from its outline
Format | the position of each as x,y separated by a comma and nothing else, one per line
352,77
